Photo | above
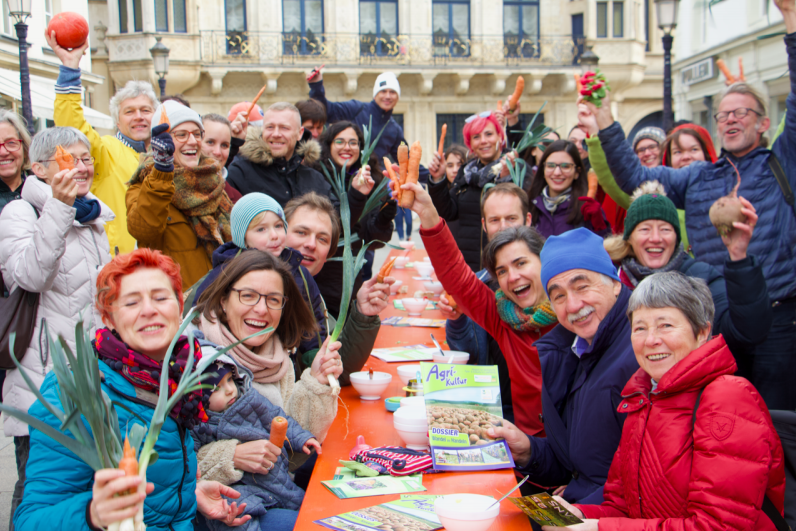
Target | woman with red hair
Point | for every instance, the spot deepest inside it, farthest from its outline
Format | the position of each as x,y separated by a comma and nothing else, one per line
139,296
486,141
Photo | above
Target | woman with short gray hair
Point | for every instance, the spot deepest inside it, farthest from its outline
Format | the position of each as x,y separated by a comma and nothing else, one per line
53,243
698,448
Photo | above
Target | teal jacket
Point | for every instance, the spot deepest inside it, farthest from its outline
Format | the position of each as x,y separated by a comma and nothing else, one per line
58,484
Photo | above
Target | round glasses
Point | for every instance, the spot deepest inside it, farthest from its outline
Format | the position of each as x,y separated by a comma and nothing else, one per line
249,297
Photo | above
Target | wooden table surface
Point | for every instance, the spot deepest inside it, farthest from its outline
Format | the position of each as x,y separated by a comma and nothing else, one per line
371,419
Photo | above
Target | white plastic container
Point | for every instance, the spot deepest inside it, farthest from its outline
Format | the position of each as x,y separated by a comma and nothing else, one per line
370,389
414,306
433,286
407,372
424,269
413,401
400,262
459,358
396,286
412,426
466,512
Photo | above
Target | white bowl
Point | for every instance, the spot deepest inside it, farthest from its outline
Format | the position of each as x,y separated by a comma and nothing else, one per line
411,417
370,389
424,269
433,286
414,306
408,372
459,358
396,286
407,245
466,512
400,262
427,259
413,401
414,439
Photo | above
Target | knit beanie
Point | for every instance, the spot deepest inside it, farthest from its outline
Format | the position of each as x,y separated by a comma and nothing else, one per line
653,133
575,249
386,80
651,203
246,209
177,114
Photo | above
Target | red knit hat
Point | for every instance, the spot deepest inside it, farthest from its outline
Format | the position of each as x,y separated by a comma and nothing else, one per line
703,134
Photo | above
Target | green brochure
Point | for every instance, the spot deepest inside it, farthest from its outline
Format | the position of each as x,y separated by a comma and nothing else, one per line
376,486
410,512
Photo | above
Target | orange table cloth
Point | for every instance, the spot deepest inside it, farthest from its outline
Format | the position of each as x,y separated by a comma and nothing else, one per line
371,419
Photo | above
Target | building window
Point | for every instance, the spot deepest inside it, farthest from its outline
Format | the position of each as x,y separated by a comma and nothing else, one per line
521,28
138,16
122,15
378,27
7,26
180,20
235,20
161,15
48,11
619,20
602,20
451,26
302,27
578,38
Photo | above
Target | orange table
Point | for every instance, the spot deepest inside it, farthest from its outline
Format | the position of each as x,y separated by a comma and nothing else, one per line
371,419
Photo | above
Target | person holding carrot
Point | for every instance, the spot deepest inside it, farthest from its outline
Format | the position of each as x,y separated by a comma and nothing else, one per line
237,411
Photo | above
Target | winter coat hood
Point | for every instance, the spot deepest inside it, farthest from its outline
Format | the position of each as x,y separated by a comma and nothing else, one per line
256,150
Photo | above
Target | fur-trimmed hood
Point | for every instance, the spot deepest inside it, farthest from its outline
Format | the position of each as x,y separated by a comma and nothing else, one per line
256,150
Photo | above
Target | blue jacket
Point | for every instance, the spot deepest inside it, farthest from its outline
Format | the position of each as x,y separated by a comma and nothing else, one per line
696,187
360,113
292,258
580,397
58,483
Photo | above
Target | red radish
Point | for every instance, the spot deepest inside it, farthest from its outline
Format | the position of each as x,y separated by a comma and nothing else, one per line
727,209
71,29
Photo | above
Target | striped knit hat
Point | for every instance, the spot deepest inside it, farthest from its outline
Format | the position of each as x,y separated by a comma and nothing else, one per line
246,209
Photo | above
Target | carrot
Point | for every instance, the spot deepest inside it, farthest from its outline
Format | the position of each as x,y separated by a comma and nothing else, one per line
164,118
741,77
451,300
726,71
500,105
592,178
385,269
578,84
393,178
515,98
442,134
278,431
64,159
254,101
128,463
412,173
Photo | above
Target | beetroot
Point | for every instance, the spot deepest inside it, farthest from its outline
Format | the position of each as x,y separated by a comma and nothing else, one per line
727,209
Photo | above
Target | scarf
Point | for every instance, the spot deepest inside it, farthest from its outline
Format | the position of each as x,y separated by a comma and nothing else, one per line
636,272
524,319
552,203
199,195
144,372
87,210
268,364
135,145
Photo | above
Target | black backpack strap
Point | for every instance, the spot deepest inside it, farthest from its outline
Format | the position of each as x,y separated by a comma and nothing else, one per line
768,508
782,180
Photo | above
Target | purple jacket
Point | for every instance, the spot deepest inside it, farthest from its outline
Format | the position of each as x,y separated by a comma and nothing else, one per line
556,224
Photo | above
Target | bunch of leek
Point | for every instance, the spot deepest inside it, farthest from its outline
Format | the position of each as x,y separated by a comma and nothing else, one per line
531,137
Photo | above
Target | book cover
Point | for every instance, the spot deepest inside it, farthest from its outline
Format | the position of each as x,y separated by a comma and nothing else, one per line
545,510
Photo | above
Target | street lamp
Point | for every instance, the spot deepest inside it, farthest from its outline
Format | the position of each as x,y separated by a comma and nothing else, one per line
20,11
666,11
160,58
588,59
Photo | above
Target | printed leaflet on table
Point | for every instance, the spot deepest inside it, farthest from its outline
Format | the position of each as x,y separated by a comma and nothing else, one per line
410,512
544,510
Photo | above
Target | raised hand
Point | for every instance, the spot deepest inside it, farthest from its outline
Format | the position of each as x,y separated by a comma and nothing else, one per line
737,241
363,182
437,167
444,306
64,186
163,148
327,361
240,125
586,119
372,296
69,58
602,114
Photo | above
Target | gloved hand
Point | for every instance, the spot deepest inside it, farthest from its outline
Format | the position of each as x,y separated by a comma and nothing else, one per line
162,148
387,213
593,213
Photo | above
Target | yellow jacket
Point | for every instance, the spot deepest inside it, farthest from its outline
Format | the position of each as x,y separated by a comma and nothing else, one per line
114,165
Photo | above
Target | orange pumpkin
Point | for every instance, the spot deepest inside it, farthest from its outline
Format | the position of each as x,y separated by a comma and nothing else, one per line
71,29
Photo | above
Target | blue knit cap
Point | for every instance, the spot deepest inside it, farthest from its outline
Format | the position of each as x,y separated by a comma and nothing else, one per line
575,249
246,209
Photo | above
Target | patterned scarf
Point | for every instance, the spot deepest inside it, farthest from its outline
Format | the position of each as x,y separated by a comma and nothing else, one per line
552,203
524,319
636,272
199,195
144,372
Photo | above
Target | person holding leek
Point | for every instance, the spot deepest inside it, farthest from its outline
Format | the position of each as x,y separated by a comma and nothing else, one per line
139,297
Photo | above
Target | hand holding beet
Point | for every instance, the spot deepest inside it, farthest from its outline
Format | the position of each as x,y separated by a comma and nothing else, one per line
738,238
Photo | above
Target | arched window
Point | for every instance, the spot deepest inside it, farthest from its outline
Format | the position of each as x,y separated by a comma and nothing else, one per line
302,27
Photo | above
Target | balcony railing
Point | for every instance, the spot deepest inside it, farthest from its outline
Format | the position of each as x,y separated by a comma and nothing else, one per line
269,48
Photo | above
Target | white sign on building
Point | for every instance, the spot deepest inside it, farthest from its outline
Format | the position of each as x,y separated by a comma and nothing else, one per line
697,72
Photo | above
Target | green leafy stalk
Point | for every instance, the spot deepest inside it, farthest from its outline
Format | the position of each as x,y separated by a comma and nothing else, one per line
517,169
381,191
533,134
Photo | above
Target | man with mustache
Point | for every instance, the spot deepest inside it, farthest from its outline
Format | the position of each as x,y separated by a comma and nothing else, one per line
586,362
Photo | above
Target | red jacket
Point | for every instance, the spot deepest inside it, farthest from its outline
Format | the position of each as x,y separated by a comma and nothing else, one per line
478,302
666,476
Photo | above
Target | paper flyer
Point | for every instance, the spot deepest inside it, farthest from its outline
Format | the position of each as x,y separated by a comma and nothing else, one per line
375,486
407,353
544,510
410,512
462,403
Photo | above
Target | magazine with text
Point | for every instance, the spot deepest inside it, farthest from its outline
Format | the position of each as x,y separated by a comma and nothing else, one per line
410,512
373,486
462,403
544,510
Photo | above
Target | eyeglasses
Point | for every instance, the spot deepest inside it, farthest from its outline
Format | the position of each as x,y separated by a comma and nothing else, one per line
11,145
740,112
642,150
339,142
484,114
87,161
565,166
182,136
275,301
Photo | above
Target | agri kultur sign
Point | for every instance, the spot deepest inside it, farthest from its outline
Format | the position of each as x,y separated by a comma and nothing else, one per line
697,72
